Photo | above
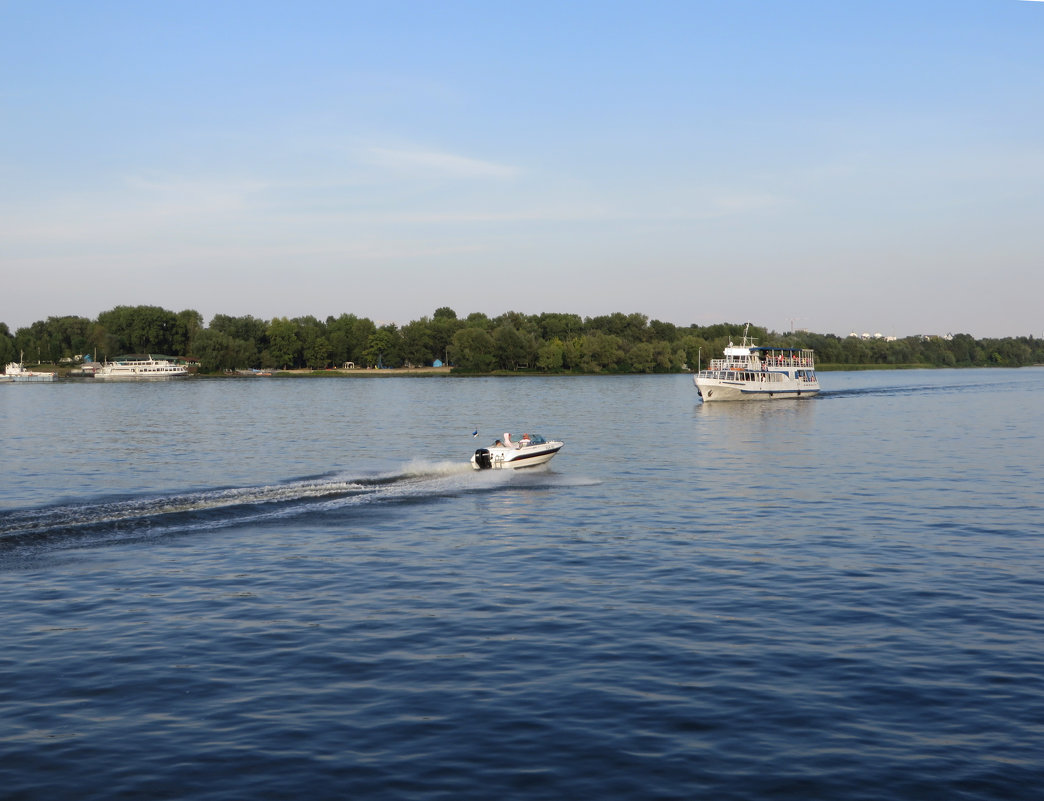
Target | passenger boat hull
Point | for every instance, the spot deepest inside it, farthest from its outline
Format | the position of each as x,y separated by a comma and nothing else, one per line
713,390
28,378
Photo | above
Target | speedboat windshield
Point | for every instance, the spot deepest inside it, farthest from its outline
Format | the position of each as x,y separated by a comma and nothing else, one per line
526,439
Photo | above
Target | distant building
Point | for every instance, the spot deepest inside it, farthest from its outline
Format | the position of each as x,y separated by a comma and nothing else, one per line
876,335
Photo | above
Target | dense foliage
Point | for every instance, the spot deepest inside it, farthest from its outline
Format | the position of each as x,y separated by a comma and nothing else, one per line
549,342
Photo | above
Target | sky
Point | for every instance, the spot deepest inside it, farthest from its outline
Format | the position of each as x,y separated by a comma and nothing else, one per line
858,165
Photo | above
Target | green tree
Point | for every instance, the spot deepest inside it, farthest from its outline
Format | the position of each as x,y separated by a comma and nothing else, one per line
550,356
54,339
478,320
315,348
444,313
379,347
854,351
559,326
694,350
348,336
963,349
444,324
219,351
34,343
284,346
512,349
245,329
667,332
664,359
187,325
573,353
317,353
7,345
472,351
625,327
601,352
642,358
143,329
417,342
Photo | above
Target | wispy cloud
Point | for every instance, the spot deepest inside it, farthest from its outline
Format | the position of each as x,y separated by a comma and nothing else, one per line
434,162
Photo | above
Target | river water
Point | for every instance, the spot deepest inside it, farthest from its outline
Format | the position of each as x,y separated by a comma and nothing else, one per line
297,588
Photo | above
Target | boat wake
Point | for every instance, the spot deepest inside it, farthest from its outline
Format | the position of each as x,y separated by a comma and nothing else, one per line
136,517
909,389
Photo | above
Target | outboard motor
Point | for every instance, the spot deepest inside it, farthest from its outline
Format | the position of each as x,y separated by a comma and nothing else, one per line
483,459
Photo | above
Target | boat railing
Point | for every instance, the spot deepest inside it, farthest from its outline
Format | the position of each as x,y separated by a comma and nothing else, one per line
767,363
750,375
788,360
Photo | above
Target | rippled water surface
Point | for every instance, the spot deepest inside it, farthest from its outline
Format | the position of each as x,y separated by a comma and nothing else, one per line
269,589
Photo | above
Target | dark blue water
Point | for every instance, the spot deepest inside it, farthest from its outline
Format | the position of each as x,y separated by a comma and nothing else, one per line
269,589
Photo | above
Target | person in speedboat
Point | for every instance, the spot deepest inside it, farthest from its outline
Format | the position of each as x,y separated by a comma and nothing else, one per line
509,443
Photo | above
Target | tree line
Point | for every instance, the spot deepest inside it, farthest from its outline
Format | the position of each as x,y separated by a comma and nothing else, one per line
550,342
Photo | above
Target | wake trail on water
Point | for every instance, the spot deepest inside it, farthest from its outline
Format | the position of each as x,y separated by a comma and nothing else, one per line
904,389
129,517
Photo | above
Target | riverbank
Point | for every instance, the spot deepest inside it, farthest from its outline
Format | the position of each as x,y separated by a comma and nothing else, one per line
64,372
366,372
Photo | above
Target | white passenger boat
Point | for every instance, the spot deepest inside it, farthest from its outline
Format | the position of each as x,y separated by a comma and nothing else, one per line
758,373
528,451
15,372
139,368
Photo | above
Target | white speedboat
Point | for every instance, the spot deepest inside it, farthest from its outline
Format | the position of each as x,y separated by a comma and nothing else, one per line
137,368
752,373
507,453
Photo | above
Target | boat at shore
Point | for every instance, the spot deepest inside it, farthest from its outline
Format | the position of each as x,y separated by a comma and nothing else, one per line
749,372
15,373
140,368
529,451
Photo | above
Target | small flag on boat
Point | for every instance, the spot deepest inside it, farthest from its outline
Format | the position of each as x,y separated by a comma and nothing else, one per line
474,433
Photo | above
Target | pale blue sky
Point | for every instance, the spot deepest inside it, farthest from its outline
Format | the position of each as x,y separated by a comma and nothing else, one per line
873,165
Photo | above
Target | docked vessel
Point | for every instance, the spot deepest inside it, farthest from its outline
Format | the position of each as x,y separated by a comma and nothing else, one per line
138,368
15,372
758,373
529,451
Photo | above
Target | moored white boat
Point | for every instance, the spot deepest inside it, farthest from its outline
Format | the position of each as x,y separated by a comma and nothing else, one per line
15,372
529,451
758,373
138,368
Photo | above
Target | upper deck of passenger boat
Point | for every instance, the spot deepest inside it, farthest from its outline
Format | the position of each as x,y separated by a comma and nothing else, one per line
763,358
